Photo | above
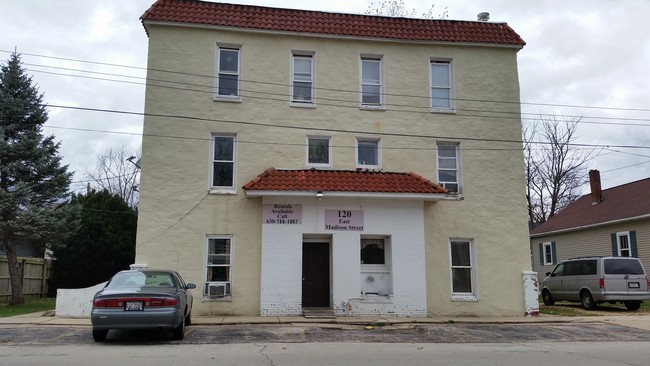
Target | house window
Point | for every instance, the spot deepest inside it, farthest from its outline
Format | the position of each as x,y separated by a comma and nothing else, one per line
371,88
440,85
624,248
318,151
463,272
448,167
548,254
223,161
368,153
375,266
228,72
218,267
302,79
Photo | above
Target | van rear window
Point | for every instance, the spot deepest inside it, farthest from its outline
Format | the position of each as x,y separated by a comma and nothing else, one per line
623,266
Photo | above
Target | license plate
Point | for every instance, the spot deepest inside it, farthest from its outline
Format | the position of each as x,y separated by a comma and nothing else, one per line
133,306
633,284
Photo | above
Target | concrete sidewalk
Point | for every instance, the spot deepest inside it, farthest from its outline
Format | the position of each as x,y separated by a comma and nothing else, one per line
640,322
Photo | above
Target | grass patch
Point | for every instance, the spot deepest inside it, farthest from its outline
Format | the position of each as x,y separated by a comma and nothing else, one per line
565,308
31,305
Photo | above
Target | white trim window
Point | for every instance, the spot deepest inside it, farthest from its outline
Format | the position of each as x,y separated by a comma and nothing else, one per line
319,151
441,82
547,252
302,79
449,167
368,153
375,266
623,242
218,267
228,72
223,162
371,81
463,271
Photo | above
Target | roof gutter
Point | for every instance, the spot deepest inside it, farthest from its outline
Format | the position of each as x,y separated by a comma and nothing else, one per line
338,194
591,226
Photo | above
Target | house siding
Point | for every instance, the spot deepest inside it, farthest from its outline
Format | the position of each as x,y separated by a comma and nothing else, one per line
594,241
177,213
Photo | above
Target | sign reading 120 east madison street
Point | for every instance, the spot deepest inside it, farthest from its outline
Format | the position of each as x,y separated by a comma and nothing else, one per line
282,213
344,220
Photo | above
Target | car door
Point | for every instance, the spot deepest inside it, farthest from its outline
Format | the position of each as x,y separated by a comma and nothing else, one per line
624,276
554,282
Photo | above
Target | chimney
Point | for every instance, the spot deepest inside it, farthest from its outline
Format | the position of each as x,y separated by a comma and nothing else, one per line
483,17
596,190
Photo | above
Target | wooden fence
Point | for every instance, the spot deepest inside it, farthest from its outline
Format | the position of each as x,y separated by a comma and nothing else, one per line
34,273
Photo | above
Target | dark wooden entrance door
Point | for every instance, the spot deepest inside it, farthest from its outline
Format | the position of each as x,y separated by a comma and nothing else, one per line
315,275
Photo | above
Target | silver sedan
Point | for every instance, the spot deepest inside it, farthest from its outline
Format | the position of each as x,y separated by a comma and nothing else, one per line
143,299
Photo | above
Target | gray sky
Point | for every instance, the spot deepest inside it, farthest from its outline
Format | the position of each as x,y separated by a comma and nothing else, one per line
588,58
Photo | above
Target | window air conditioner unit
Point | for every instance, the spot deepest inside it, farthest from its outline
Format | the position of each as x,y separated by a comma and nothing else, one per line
217,289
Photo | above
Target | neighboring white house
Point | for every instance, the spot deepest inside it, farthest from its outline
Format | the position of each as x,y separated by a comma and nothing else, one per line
298,159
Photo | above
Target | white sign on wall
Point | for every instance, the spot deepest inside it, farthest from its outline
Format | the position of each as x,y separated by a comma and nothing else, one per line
346,220
282,214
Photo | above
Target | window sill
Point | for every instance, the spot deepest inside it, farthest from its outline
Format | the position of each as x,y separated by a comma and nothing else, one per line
302,105
216,299
380,108
376,299
443,111
318,166
222,191
223,98
464,298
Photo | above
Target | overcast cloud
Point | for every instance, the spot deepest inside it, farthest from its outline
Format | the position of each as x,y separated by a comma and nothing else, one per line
581,56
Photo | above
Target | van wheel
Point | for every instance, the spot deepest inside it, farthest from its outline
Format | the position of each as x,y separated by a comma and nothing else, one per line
632,305
587,300
547,298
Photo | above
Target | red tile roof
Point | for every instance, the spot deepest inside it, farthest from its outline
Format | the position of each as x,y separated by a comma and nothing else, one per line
619,203
337,24
342,181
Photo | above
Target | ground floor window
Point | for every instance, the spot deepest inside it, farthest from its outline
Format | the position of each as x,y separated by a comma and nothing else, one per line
463,271
375,266
218,267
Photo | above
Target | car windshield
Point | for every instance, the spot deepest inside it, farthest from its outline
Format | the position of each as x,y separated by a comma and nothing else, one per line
141,279
623,266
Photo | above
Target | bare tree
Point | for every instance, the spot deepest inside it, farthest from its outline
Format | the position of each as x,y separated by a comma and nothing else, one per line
556,167
118,172
397,8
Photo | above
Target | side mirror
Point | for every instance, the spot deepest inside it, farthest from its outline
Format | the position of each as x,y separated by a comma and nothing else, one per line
548,274
190,286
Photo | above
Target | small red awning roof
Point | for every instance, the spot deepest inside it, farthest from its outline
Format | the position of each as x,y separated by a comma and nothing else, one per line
360,182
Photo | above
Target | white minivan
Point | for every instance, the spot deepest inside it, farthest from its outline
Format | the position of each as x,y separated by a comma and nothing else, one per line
593,280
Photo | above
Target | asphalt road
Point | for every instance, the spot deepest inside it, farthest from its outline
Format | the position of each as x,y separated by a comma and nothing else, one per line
23,335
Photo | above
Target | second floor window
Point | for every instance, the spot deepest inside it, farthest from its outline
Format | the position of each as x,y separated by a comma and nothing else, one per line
302,85
368,153
228,72
441,85
371,81
624,249
318,151
223,162
448,167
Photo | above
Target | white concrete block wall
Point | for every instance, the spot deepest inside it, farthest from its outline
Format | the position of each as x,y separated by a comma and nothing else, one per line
401,222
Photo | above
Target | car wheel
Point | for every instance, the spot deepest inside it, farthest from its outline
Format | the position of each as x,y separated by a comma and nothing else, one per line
587,300
632,305
547,298
100,335
188,319
178,333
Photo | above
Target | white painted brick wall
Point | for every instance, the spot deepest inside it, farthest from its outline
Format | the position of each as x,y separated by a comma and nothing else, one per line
281,288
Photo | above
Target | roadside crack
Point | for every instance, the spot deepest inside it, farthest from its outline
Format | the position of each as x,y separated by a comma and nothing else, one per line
266,356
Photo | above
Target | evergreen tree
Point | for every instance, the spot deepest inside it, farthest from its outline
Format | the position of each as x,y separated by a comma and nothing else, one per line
32,179
103,244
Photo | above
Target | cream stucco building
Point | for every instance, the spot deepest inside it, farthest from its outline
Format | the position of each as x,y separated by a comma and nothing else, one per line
299,159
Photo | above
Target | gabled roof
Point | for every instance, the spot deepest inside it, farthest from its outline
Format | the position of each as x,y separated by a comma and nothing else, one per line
359,181
628,201
335,24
